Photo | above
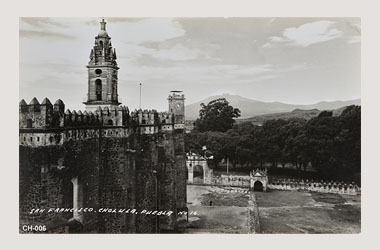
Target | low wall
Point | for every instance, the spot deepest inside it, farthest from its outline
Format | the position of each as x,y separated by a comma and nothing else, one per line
314,186
288,184
232,181
253,214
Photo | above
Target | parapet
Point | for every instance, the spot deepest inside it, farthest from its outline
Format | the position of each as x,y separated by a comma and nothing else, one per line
176,95
259,172
45,115
150,117
36,115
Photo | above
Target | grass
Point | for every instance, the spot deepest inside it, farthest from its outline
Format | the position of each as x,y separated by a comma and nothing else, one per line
305,212
228,213
225,199
279,211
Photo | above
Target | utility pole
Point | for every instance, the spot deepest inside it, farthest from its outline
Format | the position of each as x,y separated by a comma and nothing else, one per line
228,161
140,95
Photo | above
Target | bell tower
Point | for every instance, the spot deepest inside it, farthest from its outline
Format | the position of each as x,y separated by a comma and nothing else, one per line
177,106
102,73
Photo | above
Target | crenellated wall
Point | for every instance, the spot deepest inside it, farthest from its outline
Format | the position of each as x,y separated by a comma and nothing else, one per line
113,158
45,115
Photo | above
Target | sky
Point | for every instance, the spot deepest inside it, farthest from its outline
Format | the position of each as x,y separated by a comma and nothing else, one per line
291,60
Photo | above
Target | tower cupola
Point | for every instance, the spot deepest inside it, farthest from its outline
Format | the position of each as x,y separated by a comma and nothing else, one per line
102,73
103,31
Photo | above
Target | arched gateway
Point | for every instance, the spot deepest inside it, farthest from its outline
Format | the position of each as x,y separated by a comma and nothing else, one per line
258,186
198,171
259,180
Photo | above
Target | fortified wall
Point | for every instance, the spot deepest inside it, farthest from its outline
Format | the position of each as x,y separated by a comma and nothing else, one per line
105,169
108,159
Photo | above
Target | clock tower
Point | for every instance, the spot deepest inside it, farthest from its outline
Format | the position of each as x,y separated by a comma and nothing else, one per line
102,73
177,106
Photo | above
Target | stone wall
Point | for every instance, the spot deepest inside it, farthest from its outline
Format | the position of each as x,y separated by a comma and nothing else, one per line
290,184
107,159
180,176
140,171
315,186
45,115
232,181
116,183
45,182
253,214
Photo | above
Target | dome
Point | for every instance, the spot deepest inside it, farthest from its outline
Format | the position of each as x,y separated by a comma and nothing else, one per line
103,33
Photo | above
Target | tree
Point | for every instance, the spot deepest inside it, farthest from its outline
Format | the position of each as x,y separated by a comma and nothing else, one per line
274,140
230,147
294,142
320,147
348,145
332,144
214,142
192,143
217,115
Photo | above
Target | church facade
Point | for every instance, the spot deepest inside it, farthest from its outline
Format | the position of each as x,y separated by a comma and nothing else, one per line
106,169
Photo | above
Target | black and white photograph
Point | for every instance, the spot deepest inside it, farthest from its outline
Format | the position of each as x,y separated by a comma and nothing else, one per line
189,125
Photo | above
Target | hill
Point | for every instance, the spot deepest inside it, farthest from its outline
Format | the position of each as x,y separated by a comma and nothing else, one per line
250,108
297,113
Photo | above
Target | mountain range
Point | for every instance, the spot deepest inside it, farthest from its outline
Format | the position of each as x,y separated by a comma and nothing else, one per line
297,113
250,108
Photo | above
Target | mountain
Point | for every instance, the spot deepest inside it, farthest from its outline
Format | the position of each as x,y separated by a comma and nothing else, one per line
297,113
250,108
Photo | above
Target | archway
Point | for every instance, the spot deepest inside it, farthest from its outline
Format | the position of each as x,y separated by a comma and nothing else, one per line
68,199
98,89
198,174
77,199
258,186
29,123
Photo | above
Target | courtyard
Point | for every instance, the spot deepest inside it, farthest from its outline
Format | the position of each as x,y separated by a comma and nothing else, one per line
225,210
308,212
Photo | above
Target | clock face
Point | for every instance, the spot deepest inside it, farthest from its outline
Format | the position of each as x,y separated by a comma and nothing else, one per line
178,106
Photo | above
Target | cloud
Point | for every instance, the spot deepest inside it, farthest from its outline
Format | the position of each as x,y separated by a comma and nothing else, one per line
197,55
267,46
355,27
252,70
222,92
178,53
41,22
277,39
95,21
178,49
354,39
41,27
158,29
159,56
34,33
308,34
211,74
272,20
